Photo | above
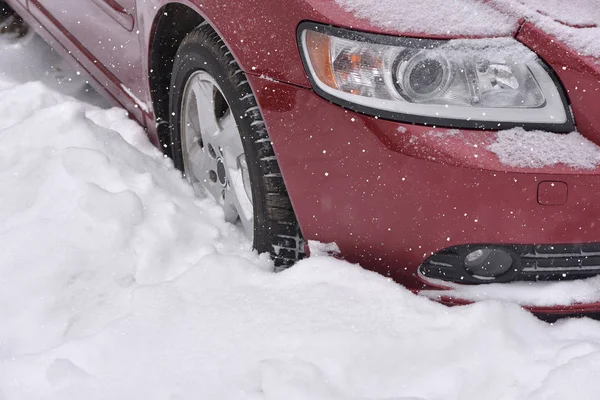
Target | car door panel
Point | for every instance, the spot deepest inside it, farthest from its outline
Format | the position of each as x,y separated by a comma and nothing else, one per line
117,12
100,29
17,5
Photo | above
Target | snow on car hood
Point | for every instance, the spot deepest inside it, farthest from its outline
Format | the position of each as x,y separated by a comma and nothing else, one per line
574,22
435,17
575,13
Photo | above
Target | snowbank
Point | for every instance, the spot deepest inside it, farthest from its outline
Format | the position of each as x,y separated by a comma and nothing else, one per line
117,283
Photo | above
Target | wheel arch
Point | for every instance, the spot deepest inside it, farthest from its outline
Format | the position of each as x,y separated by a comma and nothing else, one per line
173,22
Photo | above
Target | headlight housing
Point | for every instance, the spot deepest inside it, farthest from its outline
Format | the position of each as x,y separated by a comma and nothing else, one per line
464,83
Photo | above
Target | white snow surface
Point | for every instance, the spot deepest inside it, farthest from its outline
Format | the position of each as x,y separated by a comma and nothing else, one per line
572,12
540,294
575,22
117,283
519,148
435,17
318,249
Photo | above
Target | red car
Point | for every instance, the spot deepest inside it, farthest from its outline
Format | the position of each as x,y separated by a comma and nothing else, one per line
371,124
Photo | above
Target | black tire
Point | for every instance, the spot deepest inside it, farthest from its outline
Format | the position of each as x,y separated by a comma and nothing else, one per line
276,229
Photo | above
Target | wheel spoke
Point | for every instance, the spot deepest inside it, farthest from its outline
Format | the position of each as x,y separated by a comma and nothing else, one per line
199,163
204,92
241,201
229,140
238,204
191,135
216,191
231,214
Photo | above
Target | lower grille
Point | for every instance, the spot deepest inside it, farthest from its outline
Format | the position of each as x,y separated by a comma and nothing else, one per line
558,262
530,263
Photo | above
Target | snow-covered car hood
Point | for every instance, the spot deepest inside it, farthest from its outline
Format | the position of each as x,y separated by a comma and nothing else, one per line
574,22
575,13
435,17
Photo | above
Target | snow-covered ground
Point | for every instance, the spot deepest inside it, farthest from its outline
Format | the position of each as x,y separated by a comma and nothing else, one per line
117,283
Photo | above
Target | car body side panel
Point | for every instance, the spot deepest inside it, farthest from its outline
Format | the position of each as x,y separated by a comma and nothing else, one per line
122,12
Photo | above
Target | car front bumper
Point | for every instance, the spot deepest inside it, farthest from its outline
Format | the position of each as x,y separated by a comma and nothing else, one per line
391,195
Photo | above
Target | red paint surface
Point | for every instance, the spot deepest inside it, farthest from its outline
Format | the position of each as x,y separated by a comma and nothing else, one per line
389,194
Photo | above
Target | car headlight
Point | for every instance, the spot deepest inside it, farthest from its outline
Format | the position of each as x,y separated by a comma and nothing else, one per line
466,83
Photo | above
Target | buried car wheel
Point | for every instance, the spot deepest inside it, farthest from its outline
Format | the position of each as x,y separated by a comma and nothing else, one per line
220,142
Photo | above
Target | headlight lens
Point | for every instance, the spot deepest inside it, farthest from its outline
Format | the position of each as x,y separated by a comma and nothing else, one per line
470,83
